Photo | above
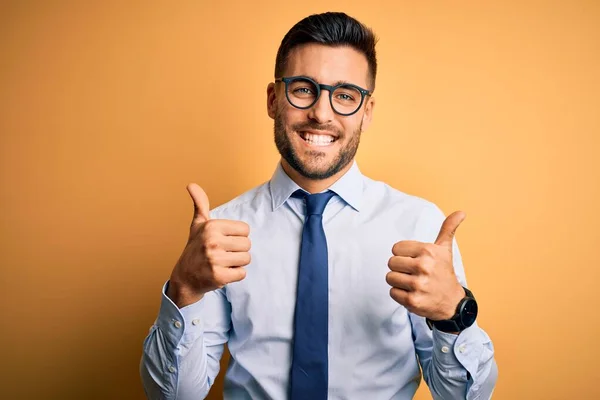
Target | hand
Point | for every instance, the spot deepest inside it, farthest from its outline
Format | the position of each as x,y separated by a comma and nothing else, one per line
215,254
422,274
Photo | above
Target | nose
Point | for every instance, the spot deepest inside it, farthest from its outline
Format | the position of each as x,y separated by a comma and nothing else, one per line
321,111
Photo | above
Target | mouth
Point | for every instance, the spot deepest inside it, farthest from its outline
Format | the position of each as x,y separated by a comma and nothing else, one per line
318,138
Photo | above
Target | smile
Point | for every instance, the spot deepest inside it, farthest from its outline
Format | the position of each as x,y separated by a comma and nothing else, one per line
317,139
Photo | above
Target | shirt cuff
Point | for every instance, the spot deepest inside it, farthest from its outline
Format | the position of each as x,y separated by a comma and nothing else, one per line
462,350
179,324
443,348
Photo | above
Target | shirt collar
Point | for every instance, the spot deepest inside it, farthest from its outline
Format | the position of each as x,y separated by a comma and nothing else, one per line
349,187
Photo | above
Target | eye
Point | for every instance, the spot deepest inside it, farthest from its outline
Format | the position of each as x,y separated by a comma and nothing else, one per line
303,90
345,96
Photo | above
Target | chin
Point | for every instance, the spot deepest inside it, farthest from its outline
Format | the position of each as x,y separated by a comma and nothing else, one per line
315,173
316,170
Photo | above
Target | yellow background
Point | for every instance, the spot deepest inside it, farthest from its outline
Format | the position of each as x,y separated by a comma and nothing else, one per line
108,110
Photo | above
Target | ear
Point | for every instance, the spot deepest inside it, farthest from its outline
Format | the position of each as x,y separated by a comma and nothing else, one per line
368,114
271,100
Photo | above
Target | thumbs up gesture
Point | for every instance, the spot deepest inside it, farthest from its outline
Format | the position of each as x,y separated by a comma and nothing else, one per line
215,254
422,274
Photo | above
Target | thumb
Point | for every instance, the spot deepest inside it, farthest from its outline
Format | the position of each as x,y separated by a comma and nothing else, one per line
201,205
448,229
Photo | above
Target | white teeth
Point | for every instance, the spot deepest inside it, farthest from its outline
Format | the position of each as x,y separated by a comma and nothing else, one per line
318,140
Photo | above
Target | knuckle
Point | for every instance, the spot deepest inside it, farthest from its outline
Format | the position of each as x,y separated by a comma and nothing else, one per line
210,227
209,244
421,283
212,258
427,250
412,301
426,264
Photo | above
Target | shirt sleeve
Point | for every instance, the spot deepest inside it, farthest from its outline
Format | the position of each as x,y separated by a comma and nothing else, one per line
182,352
454,366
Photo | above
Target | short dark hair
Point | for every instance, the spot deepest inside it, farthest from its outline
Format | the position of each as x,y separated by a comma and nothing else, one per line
330,29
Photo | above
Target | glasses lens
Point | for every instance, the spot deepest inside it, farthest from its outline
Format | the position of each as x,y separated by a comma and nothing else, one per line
346,99
302,93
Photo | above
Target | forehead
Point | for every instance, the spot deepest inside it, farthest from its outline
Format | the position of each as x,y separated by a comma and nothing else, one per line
328,64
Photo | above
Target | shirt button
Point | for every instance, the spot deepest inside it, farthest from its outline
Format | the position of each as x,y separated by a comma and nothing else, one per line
177,324
195,322
172,369
462,348
445,349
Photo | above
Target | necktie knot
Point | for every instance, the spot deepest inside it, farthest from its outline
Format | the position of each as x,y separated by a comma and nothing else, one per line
315,203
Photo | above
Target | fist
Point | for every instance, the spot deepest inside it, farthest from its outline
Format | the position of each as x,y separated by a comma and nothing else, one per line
215,254
422,274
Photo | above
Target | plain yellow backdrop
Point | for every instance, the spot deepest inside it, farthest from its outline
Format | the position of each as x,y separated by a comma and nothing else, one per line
108,110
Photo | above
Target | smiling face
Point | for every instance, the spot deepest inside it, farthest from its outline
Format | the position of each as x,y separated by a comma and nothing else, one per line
317,144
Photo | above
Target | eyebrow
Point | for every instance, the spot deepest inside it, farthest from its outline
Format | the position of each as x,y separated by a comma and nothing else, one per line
341,82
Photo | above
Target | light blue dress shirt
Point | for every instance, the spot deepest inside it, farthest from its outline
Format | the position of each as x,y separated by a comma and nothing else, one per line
376,347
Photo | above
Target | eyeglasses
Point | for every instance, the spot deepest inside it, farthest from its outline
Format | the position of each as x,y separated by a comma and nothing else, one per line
303,92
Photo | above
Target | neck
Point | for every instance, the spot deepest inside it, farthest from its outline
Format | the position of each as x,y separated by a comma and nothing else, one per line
313,185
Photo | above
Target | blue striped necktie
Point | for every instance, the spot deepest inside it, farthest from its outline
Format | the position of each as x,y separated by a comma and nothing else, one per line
309,372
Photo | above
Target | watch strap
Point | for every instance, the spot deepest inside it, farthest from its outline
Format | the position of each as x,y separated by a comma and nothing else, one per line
447,325
453,324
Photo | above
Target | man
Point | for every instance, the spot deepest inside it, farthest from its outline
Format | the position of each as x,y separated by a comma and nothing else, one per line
347,288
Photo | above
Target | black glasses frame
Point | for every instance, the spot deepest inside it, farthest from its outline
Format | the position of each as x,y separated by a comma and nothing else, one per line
320,87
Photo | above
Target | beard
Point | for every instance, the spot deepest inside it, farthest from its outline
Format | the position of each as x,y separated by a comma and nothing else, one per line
312,169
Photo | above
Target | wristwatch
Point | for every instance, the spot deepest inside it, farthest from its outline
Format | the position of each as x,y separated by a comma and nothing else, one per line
466,313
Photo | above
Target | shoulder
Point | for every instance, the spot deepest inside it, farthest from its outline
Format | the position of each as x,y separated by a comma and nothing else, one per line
423,216
388,196
250,201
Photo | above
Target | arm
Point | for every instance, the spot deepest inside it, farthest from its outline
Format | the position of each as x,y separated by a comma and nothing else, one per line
181,353
454,366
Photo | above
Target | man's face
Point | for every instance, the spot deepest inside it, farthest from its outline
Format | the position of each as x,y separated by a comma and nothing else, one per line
317,142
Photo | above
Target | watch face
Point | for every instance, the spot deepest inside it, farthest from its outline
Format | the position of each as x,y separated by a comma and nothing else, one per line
468,313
